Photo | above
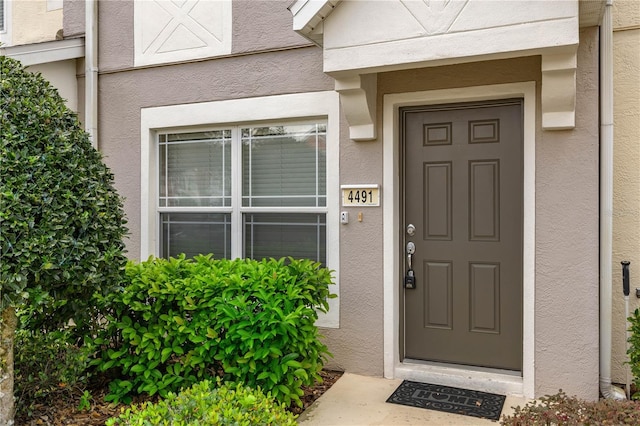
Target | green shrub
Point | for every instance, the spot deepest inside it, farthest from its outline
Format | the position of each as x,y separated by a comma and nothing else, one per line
560,409
634,350
205,404
180,321
47,368
61,219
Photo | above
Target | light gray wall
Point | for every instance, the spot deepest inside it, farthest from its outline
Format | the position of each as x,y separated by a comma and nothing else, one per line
263,25
566,190
73,18
267,58
258,25
567,242
566,282
358,344
122,94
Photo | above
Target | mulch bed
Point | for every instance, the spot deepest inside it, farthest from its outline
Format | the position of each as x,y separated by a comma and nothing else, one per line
65,411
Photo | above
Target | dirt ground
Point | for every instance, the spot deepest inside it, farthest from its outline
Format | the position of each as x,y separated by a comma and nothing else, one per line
65,412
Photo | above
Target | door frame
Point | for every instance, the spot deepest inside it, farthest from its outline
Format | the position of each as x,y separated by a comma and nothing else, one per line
472,377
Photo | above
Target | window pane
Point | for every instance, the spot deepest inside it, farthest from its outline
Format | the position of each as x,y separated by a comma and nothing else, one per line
195,233
195,169
299,235
284,166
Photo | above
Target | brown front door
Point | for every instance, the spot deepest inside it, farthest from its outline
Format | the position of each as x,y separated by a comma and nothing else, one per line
463,186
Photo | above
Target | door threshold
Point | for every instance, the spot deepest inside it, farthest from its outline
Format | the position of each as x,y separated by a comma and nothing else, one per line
503,382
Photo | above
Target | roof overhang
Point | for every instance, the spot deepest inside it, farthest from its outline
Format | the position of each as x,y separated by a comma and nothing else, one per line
46,52
355,49
308,16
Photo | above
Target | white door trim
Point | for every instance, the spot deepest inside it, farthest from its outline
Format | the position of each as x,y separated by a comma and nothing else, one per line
451,375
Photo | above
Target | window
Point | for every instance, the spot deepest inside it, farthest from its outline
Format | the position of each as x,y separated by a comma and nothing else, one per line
283,193
5,23
267,181
2,14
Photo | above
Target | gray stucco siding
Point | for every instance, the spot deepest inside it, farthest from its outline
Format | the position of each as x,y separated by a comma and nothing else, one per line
123,94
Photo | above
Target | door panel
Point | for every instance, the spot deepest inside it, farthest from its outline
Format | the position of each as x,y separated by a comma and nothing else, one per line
463,192
436,214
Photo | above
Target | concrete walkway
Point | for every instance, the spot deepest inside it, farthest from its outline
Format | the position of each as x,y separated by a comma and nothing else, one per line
360,400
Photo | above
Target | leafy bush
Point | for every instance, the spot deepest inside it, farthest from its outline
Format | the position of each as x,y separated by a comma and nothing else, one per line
61,220
634,350
48,367
560,409
180,321
204,404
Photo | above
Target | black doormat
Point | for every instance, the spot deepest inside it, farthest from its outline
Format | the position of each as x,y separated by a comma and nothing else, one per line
448,399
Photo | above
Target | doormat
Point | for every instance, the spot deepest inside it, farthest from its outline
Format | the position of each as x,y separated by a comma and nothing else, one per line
448,399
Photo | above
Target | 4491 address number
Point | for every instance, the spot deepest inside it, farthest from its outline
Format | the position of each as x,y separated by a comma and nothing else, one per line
360,195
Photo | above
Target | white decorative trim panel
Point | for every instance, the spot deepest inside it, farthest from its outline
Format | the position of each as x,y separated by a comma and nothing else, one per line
358,98
559,91
180,30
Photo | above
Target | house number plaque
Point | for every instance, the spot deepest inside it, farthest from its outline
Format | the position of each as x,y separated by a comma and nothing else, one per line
367,195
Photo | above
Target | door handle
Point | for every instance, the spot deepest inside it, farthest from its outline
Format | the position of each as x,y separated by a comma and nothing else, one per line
411,249
410,278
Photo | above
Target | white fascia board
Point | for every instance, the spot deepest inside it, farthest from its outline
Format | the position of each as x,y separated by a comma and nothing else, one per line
47,52
511,41
308,16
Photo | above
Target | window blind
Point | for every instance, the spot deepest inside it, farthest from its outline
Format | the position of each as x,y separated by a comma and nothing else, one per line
195,169
284,166
278,165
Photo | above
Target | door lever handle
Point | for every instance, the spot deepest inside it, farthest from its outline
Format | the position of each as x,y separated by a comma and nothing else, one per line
411,248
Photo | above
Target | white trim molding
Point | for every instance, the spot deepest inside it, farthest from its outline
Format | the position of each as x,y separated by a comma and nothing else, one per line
46,52
358,98
169,31
308,16
403,34
240,111
559,91
394,367
5,33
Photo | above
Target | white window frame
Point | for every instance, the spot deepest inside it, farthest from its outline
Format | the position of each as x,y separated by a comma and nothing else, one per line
5,33
192,117
54,5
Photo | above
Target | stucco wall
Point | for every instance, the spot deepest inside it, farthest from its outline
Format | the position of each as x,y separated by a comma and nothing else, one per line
122,94
73,18
566,190
358,344
62,75
251,31
32,23
626,187
566,320
566,230
123,90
